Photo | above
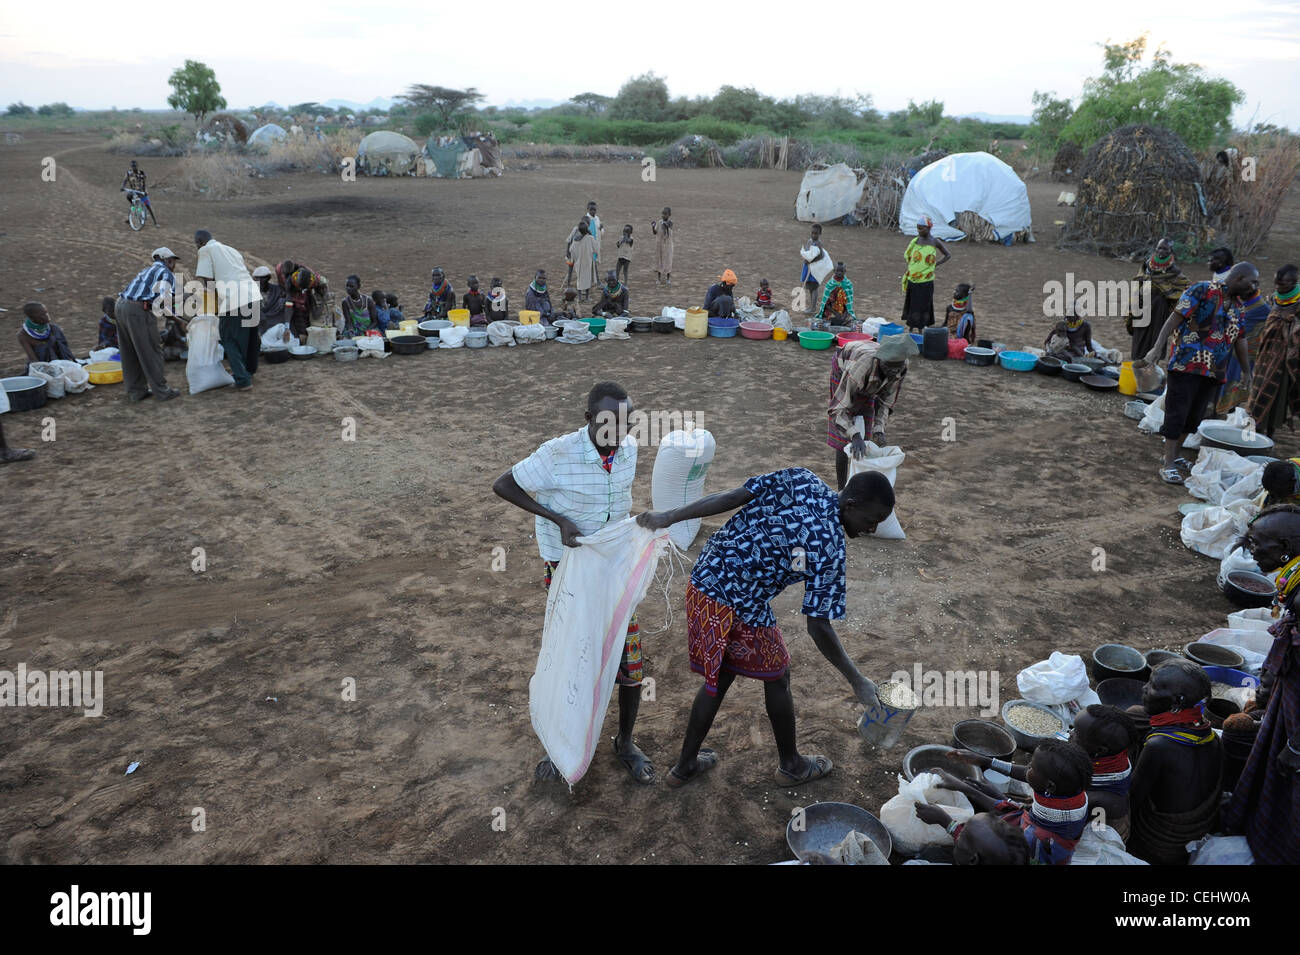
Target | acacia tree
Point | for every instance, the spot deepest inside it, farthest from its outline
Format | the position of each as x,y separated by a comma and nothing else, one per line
593,103
442,100
1178,96
195,90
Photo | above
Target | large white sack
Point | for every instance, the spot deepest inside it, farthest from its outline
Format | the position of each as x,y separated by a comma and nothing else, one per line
454,337
886,460
1252,618
1211,531
203,368
49,373
276,337
910,834
678,478
1216,470
828,194
593,593
975,182
1060,683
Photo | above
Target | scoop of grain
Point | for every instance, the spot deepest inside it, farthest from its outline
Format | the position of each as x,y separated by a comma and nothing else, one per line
898,696
1029,719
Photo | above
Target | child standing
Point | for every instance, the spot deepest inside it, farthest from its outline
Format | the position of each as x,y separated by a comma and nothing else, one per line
663,232
624,249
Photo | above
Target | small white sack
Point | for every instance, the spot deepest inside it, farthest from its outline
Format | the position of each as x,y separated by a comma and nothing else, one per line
1252,618
781,319
910,834
1211,531
203,367
615,328
454,337
528,334
1060,678
75,378
501,333
370,346
1237,559
49,373
681,466
886,460
1102,846
1216,470
275,336
1154,419
105,354
583,637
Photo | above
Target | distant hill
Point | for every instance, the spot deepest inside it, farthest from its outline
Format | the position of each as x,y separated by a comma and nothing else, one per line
998,118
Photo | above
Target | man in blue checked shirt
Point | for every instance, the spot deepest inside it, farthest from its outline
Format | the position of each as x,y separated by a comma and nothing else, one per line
790,528
137,328
576,484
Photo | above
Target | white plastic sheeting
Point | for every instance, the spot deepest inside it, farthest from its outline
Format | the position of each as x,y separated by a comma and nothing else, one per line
827,194
386,153
965,182
266,135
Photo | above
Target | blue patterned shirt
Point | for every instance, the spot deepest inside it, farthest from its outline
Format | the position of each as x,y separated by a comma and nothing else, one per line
1210,328
789,533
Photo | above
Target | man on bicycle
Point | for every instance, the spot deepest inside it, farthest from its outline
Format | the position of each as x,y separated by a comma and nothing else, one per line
133,184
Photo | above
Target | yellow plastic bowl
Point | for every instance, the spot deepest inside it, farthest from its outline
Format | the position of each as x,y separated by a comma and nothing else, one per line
529,317
778,334
458,316
105,372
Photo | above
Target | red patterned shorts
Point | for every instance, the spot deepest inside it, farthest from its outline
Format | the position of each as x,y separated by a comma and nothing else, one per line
630,670
718,640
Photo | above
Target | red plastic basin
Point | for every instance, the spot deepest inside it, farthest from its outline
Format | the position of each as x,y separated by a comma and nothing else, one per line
843,338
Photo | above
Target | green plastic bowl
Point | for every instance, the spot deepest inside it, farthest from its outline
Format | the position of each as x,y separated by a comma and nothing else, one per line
597,325
816,341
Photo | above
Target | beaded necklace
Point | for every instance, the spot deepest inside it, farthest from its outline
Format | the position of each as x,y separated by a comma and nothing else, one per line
1288,298
39,332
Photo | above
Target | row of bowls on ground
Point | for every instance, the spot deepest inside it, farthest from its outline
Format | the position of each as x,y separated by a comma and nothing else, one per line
1119,672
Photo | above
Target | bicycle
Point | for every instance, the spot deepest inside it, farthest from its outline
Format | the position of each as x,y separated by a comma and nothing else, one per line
139,210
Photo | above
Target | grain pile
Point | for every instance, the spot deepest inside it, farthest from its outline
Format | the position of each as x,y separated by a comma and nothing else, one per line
1033,721
1137,185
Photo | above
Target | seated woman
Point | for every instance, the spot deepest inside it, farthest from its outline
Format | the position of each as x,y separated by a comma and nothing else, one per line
613,297
442,297
837,299
107,324
960,315
39,338
1059,773
1106,733
498,301
1175,793
719,300
538,298
1070,339
359,315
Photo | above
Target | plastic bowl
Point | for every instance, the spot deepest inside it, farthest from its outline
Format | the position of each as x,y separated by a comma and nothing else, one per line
723,327
1072,371
984,737
843,338
823,825
891,328
919,339
594,325
1017,360
665,325
275,355
1099,382
104,372
476,338
1220,434
755,330
1157,657
932,756
1120,691
1047,365
303,352
1024,739
976,355
1212,655
816,341
1246,588
1111,660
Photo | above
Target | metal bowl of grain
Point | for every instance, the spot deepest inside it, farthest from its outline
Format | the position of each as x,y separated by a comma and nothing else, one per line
984,737
1030,723
933,757
819,828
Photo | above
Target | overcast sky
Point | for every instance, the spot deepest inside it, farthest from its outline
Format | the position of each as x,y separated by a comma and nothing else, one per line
974,56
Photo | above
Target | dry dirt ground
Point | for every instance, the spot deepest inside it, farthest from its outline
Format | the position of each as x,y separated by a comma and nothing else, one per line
371,560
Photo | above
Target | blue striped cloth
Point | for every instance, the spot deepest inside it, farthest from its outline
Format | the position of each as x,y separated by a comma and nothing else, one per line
142,287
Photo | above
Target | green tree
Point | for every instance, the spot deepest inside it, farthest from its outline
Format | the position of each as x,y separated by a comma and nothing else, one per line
1050,116
929,113
55,109
593,103
443,101
19,109
1179,96
739,105
195,90
643,97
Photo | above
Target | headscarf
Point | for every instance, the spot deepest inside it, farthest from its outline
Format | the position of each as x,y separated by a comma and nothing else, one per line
925,221
728,277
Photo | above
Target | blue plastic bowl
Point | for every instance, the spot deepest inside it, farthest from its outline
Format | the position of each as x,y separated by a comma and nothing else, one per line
1230,676
890,328
1018,360
723,327
919,339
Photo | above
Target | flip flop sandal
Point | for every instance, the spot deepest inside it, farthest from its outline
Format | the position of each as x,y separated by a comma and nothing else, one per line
16,454
637,763
1183,463
818,766
1171,476
705,760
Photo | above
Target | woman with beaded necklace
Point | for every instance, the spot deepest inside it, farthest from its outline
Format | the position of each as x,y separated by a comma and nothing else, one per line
1275,397
39,338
